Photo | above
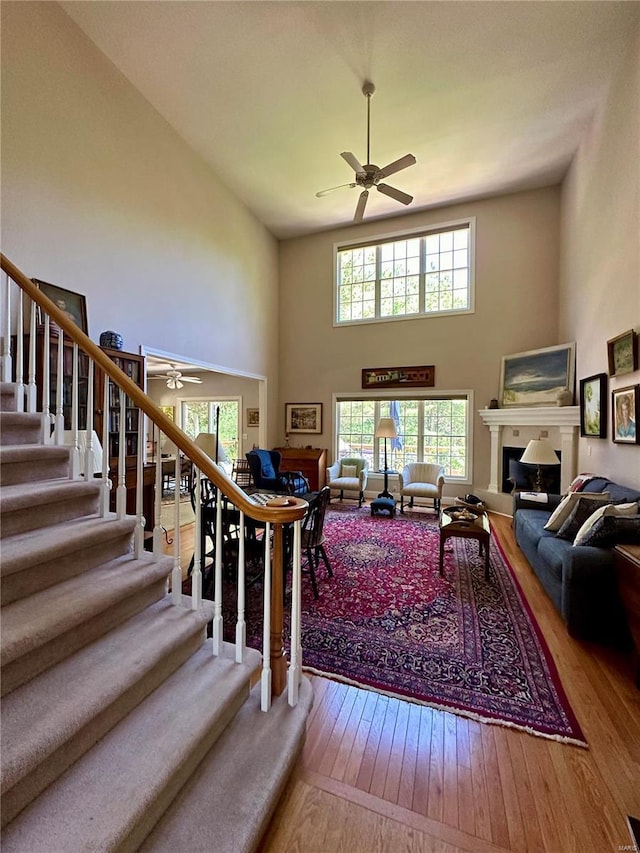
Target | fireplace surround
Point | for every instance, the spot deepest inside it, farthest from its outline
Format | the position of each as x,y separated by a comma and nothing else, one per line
516,426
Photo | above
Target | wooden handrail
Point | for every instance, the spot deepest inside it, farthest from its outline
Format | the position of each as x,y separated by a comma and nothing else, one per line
294,509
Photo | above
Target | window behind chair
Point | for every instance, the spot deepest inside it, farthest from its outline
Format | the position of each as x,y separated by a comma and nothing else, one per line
432,429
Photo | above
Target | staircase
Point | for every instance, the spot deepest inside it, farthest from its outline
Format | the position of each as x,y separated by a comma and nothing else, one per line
121,730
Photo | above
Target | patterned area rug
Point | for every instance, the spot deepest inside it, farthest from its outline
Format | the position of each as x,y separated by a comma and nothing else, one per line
388,621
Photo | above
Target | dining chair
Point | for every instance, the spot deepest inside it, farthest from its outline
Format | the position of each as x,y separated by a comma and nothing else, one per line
313,538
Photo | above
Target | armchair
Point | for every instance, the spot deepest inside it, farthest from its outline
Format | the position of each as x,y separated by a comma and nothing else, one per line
266,473
349,475
421,480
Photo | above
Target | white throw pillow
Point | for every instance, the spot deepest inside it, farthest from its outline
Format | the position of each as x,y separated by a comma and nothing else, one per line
607,509
566,506
348,471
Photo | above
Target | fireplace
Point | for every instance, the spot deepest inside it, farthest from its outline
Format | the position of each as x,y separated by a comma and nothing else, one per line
515,426
524,476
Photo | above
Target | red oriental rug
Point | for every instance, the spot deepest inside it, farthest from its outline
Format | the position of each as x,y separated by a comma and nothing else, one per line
388,621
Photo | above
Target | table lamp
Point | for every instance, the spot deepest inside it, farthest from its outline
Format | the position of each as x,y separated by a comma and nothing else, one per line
386,429
539,452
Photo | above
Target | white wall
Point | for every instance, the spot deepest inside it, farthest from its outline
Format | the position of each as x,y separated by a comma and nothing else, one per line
101,196
516,310
600,280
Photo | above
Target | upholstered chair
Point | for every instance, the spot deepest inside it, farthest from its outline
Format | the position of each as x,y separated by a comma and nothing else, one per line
349,475
422,480
266,473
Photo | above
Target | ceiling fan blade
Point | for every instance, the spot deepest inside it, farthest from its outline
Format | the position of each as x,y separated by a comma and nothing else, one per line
392,192
362,203
331,189
353,161
396,166
191,379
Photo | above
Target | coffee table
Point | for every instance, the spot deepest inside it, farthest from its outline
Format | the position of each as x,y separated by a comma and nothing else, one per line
467,524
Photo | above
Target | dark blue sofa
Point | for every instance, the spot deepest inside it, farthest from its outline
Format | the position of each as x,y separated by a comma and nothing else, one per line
580,580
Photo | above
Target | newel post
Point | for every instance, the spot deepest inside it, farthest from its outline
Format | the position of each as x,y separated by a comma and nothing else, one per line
277,655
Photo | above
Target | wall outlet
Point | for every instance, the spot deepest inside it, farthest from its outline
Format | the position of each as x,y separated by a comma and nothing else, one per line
244,436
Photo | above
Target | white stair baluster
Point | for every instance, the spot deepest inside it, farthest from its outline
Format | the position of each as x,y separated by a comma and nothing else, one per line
32,391
157,528
265,678
121,491
89,450
46,382
217,594
295,667
59,416
106,481
241,626
6,364
20,387
75,448
139,537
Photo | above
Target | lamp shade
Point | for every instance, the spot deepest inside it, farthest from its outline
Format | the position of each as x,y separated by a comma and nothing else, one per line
386,428
540,451
207,441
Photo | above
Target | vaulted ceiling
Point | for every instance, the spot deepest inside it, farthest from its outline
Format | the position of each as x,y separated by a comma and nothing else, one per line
490,97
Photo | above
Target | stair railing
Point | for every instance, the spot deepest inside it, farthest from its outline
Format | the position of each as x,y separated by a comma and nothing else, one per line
25,305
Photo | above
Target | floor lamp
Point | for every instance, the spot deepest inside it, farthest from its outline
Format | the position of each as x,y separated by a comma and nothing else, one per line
539,452
386,429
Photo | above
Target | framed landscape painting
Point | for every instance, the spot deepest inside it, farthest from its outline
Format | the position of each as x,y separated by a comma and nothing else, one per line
303,417
537,377
622,352
593,406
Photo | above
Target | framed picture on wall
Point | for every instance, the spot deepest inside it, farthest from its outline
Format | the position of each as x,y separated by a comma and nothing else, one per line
593,406
624,414
538,377
253,417
622,352
74,305
303,418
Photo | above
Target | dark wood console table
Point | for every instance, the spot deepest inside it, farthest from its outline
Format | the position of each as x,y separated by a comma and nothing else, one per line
627,561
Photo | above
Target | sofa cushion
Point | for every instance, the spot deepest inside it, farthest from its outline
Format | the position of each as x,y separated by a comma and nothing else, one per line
566,506
348,471
607,509
610,530
552,550
584,507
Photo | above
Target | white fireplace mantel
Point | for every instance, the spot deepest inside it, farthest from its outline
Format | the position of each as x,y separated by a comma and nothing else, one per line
562,420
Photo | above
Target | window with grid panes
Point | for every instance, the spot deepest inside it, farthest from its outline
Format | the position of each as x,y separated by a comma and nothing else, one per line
419,274
429,430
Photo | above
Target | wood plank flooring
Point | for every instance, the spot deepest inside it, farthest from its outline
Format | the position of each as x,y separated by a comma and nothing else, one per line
381,774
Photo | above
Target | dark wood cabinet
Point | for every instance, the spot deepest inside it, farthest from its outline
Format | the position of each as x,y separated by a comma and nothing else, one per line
312,461
133,366
627,562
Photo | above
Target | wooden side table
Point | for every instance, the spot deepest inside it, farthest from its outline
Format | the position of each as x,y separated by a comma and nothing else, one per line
627,563
462,522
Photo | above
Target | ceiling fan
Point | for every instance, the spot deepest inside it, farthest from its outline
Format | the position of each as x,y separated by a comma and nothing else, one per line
370,175
175,379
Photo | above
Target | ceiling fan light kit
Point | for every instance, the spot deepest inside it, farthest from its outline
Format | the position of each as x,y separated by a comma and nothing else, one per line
176,380
370,175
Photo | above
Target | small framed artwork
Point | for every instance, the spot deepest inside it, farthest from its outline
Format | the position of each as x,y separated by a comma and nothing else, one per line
593,406
624,408
623,353
399,377
253,417
538,377
303,417
73,304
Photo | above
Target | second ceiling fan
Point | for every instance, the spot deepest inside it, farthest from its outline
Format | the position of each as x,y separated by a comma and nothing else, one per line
370,175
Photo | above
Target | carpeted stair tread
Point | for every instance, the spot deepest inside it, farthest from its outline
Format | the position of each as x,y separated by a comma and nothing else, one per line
237,786
21,495
20,428
43,715
30,452
122,785
8,397
28,462
32,623
23,550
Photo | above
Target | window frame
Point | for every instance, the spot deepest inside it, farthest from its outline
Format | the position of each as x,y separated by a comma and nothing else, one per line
414,394
388,237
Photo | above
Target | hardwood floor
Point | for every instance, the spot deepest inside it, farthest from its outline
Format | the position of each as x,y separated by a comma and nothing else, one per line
380,774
